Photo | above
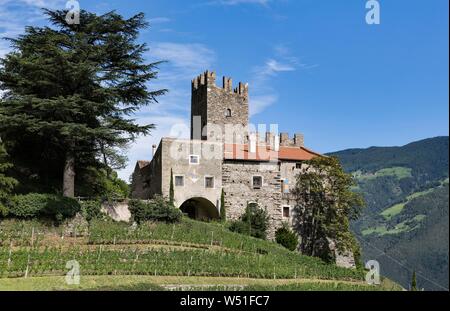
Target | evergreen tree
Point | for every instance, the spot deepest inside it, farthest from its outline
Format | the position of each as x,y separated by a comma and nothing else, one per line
414,282
325,206
7,184
223,212
69,92
171,189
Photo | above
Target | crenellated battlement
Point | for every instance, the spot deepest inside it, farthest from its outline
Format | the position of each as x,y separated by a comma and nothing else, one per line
297,141
218,105
208,79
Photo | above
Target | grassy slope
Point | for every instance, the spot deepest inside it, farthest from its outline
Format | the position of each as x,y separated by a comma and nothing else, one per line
117,256
157,283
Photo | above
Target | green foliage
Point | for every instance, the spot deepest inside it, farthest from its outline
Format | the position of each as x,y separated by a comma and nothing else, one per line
36,205
223,211
254,222
405,217
171,189
426,158
414,282
69,93
325,206
115,187
207,249
7,183
286,237
91,209
157,209
97,183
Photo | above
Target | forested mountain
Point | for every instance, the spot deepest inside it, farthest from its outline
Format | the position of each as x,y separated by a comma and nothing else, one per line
405,223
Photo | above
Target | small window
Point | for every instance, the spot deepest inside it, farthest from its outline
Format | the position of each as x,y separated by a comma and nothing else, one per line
179,181
194,159
257,182
209,182
286,211
228,113
298,165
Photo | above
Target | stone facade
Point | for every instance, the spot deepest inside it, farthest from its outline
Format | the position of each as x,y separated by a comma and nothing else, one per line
239,190
207,163
213,107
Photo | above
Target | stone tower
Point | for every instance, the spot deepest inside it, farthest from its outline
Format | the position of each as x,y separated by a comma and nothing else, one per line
214,109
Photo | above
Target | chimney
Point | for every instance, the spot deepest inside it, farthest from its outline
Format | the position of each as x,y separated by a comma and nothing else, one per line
252,143
299,140
153,150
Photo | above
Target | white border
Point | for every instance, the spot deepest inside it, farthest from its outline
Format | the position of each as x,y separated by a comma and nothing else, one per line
194,155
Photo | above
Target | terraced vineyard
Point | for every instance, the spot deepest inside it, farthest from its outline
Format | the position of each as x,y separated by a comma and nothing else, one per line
185,250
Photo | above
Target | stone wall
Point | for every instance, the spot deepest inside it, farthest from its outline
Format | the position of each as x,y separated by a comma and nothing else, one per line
175,156
218,106
117,210
238,189
146,180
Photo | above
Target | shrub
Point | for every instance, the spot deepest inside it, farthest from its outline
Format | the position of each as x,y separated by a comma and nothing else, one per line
239,226
223,212
286,237
157,209
253,222
91,209
36,205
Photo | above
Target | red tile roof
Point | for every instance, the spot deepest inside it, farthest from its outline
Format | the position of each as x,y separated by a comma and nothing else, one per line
263,153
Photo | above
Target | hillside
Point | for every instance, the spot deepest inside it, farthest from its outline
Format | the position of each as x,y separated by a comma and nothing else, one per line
405,224
159,256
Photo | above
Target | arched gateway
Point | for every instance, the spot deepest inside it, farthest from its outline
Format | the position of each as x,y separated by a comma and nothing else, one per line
200,209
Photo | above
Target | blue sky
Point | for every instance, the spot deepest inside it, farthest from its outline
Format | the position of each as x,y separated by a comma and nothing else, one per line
314,66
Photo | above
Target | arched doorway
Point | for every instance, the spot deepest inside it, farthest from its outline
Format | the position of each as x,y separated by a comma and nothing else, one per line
200,209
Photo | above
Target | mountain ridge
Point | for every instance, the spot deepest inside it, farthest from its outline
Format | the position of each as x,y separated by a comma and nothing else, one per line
405,224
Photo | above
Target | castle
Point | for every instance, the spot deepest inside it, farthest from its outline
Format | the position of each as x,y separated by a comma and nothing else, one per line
224,153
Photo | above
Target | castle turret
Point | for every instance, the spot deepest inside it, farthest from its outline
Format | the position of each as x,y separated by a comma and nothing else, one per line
218,108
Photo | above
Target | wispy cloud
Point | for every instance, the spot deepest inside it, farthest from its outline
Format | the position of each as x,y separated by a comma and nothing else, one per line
281,62
184,58
159,20
260,102
16,14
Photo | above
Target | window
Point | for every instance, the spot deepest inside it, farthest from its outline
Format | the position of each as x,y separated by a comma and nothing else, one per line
257,182
194,159
286,211
228,113
298,165
179,181
209,182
